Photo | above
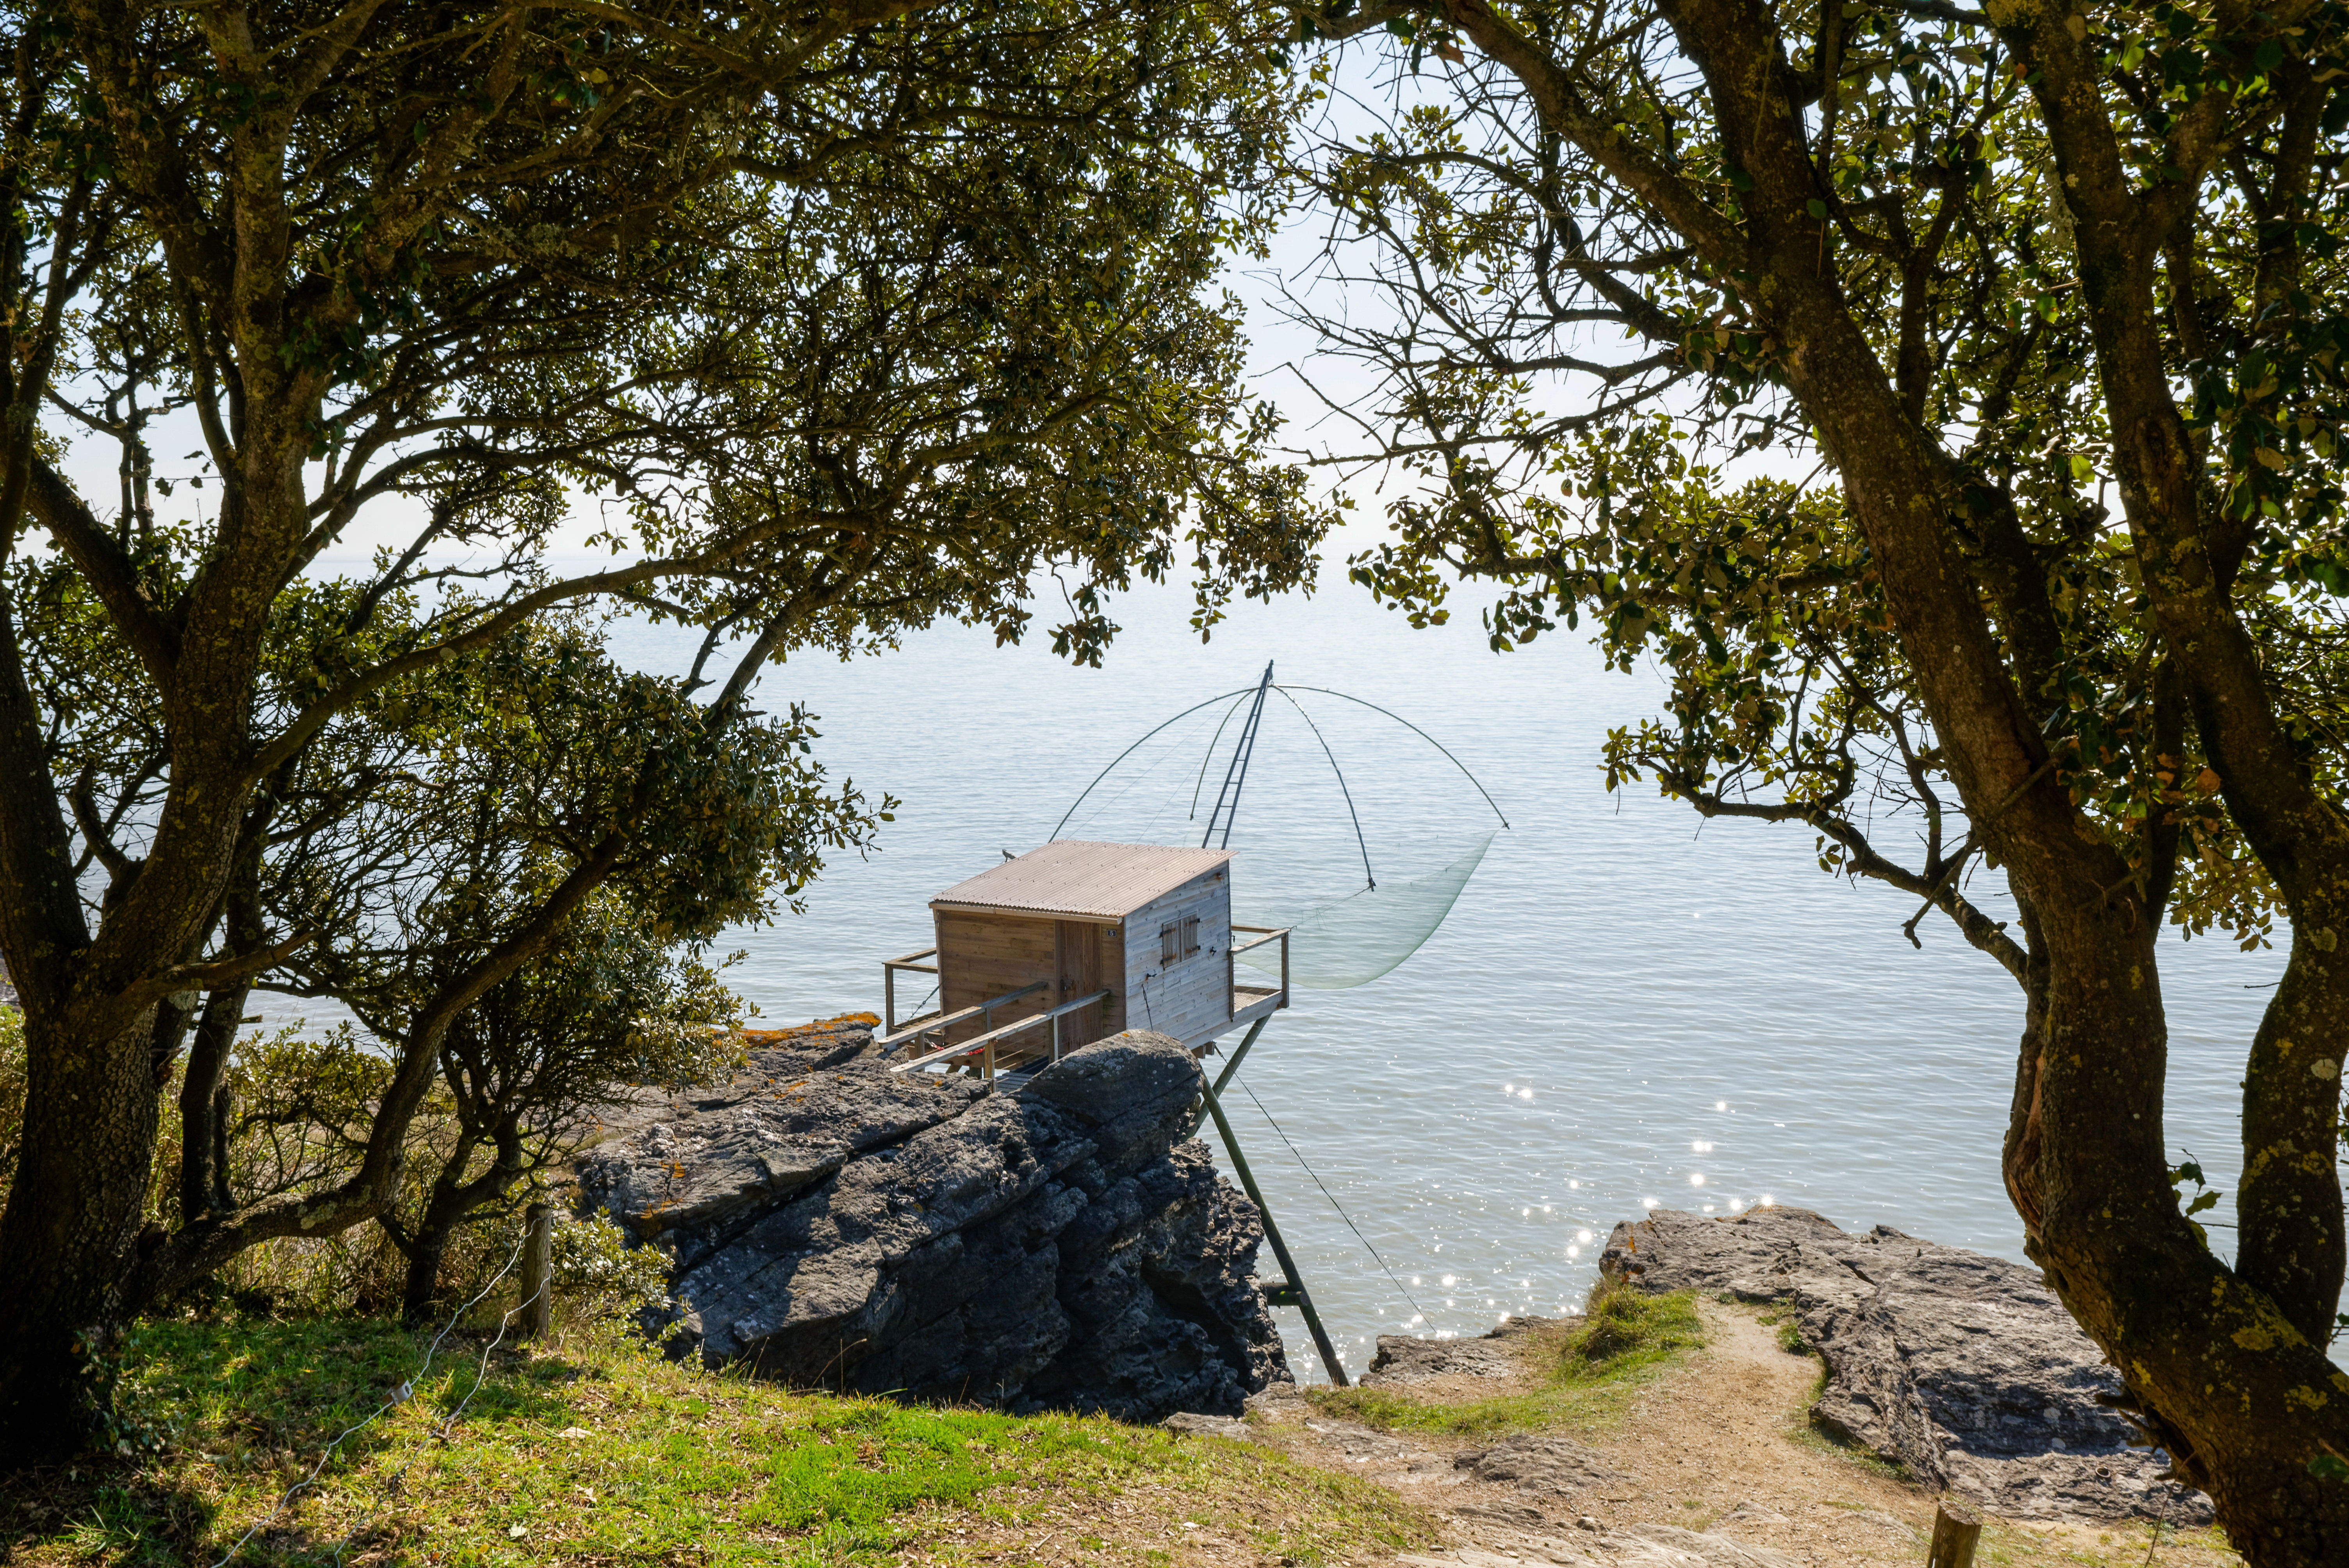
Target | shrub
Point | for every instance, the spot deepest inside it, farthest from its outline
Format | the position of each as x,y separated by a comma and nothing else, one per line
600,1273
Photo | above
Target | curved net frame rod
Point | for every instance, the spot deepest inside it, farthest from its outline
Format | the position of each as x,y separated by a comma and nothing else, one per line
1139,745
1361,842
1407,723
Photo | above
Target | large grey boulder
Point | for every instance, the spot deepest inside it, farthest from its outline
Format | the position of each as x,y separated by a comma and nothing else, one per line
1058,1243
1959,1366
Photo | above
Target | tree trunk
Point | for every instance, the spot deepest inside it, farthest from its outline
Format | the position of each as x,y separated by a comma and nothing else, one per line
205,1106
2291,1243
426,1248
537,1307
72,1219
2019,1161
428,1244
2241,1398
204,1097
2231,1366
454,1198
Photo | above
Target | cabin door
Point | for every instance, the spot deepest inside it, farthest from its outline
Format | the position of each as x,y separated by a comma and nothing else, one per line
1077,947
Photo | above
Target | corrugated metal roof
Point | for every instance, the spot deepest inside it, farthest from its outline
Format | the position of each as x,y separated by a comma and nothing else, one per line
1079,879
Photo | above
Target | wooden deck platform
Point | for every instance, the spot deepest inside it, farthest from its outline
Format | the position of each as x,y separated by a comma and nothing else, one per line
1020,1047
1250,1003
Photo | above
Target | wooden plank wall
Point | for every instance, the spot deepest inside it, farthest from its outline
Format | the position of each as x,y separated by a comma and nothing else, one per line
1195,996
1112,972
983,955
1079,945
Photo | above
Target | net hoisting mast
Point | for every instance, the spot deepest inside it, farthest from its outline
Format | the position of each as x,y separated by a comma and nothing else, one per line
1226,809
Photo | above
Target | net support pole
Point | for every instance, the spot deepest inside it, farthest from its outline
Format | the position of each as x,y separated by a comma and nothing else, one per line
1336,1368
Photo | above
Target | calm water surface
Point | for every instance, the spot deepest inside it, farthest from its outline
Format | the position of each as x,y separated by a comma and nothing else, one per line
1621,1010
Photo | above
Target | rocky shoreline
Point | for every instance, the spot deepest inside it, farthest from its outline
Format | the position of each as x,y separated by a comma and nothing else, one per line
1962,1369
1061,1245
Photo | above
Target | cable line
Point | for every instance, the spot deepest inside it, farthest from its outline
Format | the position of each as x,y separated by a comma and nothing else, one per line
398,1397
1340,1207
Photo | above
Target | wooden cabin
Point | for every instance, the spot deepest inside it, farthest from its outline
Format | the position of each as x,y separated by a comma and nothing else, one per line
1076,941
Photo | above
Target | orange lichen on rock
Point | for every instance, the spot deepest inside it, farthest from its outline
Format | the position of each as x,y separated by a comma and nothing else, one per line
801,1031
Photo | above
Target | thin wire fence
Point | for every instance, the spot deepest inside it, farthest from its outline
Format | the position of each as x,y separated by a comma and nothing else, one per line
400,1396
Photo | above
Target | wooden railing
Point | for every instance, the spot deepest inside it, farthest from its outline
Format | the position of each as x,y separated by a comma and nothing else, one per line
912,962
981,1051
931,1023
1264,934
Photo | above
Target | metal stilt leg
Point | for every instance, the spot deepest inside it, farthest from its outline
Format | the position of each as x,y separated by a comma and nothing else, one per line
1296,1292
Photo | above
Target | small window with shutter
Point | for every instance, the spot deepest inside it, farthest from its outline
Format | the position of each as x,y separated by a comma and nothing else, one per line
1178,940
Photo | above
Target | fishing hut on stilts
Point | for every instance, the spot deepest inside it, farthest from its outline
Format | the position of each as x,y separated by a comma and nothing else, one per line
1076,941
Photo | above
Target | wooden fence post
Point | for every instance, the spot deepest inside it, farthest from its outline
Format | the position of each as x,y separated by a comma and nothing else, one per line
1956,1529
538,1273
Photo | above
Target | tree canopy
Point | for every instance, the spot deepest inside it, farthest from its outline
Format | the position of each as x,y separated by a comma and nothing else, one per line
820,322
1949,401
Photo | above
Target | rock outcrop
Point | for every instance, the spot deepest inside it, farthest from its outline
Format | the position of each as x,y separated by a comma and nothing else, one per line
1959,1366
1541,1462
1633,1546
1056,1244
1405,1358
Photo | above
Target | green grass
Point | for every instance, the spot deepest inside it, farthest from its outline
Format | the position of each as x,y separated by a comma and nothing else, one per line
1588,1381
1783,1316
600,1451
1807,1431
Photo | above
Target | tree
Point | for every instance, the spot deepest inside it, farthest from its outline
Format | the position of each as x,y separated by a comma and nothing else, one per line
608,1007
415,838
846,317
2048,301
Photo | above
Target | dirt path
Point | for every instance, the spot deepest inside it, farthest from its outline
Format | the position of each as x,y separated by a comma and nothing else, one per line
1719,1447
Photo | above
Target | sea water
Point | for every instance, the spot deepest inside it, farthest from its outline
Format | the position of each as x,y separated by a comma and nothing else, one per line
1626,1008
